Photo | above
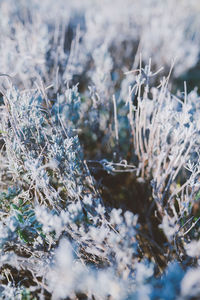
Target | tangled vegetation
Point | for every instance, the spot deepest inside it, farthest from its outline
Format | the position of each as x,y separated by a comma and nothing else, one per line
99,149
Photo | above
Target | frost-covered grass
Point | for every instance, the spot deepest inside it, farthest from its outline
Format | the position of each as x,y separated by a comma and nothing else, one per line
99,150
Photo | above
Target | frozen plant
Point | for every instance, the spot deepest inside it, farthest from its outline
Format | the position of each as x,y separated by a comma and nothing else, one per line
99,152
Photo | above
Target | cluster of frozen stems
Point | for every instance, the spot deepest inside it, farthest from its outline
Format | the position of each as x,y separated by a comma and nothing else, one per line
76,101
